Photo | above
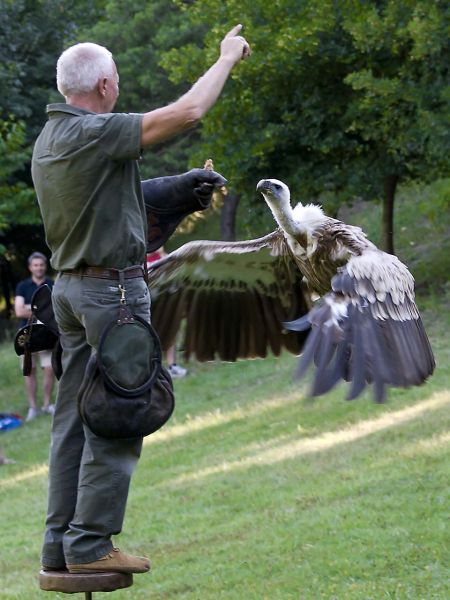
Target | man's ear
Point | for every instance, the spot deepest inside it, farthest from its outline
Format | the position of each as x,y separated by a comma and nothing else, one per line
102,86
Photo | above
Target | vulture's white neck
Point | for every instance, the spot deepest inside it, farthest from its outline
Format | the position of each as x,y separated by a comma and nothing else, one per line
284,216
298,221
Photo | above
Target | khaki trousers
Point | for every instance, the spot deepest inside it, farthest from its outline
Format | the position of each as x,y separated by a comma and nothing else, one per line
89,476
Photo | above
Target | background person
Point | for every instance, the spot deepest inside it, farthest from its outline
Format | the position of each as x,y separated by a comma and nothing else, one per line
37,265
87,181
175,370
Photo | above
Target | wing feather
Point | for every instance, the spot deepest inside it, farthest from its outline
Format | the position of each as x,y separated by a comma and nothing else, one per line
233,295
367,330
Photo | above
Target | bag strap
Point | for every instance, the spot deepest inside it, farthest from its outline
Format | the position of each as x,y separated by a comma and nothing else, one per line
126,317
27,358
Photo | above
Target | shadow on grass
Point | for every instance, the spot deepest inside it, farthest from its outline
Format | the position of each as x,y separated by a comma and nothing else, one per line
322,442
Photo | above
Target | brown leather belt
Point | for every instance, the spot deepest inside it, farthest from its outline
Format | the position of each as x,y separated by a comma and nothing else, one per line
104,273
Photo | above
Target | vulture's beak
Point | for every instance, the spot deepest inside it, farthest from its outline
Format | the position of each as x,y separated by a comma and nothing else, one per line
263,186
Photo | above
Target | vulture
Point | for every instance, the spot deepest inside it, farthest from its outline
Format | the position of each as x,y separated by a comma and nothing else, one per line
315,286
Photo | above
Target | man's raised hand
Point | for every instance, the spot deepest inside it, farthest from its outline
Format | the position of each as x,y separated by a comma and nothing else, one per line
234,47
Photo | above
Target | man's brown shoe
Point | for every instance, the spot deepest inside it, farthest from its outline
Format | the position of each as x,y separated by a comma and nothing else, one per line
114,562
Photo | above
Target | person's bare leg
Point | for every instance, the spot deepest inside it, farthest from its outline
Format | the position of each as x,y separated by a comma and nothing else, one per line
170,355
49,380
175,370
31,385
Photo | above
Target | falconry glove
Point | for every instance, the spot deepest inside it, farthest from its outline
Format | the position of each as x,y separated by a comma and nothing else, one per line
168,200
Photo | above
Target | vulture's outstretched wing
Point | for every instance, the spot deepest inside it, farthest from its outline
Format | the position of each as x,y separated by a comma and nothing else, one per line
233,295
367,330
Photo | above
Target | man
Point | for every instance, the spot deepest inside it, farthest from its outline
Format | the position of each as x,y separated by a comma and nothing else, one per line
37,265
87,181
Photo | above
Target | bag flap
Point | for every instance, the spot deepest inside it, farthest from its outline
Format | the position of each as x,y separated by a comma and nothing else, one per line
129,355
41,304
41,338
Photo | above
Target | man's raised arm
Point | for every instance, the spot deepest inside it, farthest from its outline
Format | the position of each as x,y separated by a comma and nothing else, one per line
165,122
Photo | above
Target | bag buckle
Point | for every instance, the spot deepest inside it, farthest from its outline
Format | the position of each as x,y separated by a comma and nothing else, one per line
122,291
125,315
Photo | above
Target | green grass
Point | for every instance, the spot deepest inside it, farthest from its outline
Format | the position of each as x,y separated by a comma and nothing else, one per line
254,492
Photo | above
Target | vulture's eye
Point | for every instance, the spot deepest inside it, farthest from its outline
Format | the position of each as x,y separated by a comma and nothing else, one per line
277,186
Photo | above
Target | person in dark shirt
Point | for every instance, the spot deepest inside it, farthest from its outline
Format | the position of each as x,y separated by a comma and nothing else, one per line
37,265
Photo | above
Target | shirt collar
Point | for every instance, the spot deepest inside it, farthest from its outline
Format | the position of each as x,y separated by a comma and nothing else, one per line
67,109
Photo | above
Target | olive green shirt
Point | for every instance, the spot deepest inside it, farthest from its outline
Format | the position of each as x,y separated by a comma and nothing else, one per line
87,181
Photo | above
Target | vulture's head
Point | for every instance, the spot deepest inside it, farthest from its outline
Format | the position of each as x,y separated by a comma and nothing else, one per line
275,192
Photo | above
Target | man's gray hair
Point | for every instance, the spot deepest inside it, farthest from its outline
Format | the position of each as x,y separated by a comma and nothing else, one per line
38,255
80,67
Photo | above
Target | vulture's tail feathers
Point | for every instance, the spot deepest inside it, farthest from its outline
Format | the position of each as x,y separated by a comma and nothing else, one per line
308,353
364,340
357,362
302,324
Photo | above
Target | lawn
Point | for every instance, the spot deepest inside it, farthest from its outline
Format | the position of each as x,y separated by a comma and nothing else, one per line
253,491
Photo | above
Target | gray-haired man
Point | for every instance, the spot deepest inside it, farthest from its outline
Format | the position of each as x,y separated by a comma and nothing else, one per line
87,180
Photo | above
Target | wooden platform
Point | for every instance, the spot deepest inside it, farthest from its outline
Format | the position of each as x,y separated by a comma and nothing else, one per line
69,583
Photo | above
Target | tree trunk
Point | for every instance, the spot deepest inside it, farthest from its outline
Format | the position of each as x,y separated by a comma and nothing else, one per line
390,185
228,217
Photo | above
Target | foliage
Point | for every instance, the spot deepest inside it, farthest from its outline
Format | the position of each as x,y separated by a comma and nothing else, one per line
16,197
423,235
435,201
32,35
335,97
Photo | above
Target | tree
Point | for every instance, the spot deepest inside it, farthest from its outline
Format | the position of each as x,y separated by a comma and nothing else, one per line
32,35
16,197
139,36
342,100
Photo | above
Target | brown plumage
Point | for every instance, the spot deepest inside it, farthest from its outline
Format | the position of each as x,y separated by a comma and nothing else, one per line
235,297
366,329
